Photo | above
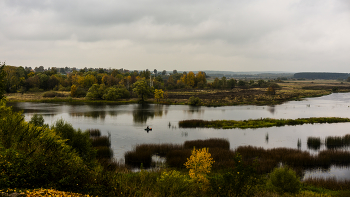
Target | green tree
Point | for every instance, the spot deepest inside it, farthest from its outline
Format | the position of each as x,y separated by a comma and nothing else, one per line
95,92
114,93
2,82
142,89
231,83
241,83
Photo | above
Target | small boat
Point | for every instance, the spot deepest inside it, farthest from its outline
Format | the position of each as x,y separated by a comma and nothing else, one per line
148,129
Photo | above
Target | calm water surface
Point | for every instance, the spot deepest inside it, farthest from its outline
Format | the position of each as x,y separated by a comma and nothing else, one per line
126,123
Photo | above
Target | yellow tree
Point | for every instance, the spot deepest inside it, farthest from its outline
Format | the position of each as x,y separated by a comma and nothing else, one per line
73,91
199,164
158,94
183,79
190,79
200,80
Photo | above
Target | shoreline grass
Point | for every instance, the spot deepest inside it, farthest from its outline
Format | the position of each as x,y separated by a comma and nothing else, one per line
257,123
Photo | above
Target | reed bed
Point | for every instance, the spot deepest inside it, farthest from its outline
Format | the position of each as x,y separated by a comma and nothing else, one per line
314,143
138,159
158,149
172,152
101,141
328,183
209,143
94,132
333,142
104,152
268,159
257,123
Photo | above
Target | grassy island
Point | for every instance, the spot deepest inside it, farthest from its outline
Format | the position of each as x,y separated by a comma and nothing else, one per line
257,123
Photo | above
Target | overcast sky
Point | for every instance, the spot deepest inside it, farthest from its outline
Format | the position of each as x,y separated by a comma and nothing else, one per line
227,35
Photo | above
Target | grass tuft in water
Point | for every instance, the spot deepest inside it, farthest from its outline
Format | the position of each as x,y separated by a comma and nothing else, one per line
314,143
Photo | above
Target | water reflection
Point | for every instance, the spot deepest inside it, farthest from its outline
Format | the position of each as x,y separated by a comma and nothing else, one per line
195,109
271,109
339,173
142,112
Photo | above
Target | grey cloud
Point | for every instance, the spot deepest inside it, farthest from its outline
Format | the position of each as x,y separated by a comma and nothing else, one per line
270,31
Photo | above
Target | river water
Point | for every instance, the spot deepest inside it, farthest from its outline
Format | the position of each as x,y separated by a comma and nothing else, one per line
126,123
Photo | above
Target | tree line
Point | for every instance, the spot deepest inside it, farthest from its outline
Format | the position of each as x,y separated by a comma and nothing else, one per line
111,84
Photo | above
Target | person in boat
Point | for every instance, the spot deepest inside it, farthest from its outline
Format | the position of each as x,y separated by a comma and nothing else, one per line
147,128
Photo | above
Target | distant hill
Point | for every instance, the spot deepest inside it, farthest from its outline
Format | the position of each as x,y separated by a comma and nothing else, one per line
254,74
321,75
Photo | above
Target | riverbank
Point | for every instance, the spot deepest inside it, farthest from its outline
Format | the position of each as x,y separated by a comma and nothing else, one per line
288,91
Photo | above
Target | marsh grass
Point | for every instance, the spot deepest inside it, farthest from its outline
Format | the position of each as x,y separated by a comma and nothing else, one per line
257,123
176,155
101,141
333,142
104,152
94,132
268,159
314,143
209,143
138,159
113,165
328,183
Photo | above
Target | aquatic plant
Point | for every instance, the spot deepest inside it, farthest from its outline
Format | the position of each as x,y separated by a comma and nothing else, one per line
101,141
208,143
314,143
332,142
94,132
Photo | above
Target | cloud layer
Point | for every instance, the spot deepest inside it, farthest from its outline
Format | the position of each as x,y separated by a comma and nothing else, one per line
251,35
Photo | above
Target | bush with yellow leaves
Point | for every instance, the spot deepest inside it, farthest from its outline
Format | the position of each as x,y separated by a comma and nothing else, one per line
200,164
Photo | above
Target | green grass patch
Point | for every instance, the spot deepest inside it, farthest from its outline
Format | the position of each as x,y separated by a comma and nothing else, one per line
257,123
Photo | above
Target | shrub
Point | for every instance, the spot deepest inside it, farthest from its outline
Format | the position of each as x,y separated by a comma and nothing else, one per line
283,180
36,89
173,183
114,93
194,100
241,180
77,139
38,120
199,164
81,92
52,94
34,156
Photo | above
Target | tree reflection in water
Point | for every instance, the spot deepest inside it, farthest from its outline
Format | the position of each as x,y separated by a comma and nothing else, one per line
145,111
